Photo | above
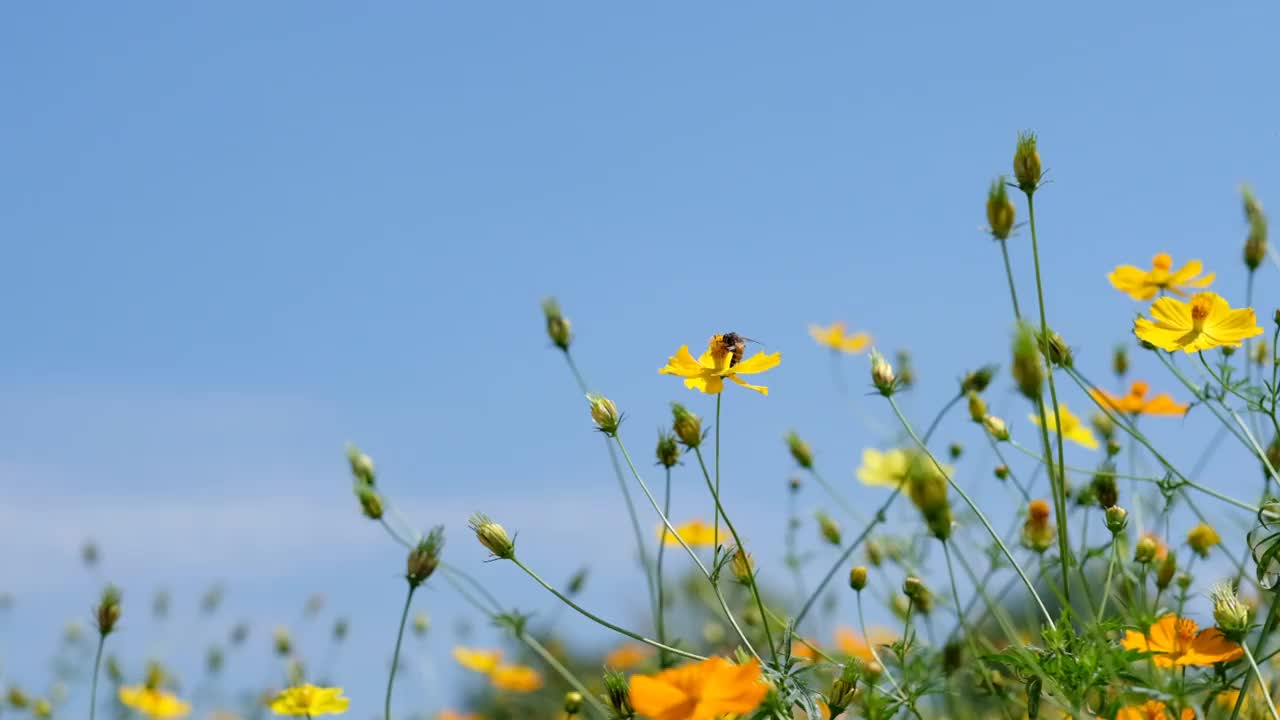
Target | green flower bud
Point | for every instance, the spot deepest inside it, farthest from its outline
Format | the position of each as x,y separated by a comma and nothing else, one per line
799,450
1000,210
1026,162
493,536
558,327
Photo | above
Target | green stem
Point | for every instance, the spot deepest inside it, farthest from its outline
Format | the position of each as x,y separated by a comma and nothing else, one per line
928,433
395,656
1262,638
1106,586
93,687
862,625
1008,274
972,506
1258,674
715,547
955,595
601,621
662,546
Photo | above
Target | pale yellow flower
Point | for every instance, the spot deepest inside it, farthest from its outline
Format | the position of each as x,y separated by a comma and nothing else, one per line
153,702
1142,284
1072,428
836,338
481,661
883,469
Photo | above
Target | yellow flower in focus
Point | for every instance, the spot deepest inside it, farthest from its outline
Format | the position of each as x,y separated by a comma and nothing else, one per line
695,533
883,469
153,702
1072,428
709,371
481,661
1152,710
628,656
1204,323
851,643
1176,641
516,678
1136,402
705,690
1142,284
835,338
310,701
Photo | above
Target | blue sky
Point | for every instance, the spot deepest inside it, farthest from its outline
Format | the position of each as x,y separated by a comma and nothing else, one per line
239,235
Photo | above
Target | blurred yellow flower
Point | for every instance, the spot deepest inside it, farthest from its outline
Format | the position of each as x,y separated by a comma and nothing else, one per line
1152,710
482,661
1201,538
835,338
455,715
883,469
1204,323
704,690
695,533
628,656
516,678
153,702
853,644
1072,428
1142,284
1175,641
310,701
709,371
1136,402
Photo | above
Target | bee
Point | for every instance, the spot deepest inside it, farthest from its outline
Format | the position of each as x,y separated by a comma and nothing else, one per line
735,345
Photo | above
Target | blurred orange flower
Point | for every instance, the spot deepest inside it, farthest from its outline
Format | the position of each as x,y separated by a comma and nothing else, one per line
627,656
1176,641
699,691
1136,401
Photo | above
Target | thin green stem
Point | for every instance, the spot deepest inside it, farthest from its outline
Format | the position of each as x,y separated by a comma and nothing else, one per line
93,687
716,492
862,625
955,595
1008,274
601,621
1106,585
395,656
937,419
662,546
972,506
1262,638
839,500
1258,674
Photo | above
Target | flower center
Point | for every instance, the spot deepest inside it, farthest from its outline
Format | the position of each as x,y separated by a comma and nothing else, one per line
1138,390
1162,262
1185,630
1200,306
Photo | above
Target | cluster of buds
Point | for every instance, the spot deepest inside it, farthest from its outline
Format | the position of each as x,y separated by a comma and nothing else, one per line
1000,210
1026,163
1027,369
843,688
1255,244
1037,531
558,327
364,477
800,451
107,614
1201,538
667,450
493,536
882,375
828,527
604,414
686,426
424,558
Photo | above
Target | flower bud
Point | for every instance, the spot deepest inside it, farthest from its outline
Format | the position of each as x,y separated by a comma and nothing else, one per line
872,670
558,327
604,414
875,553
1183,580
828,527
1120,361
742,565
341,627
882,374
955,450
1000,210
1058,349
1165,571
89,553
1104,486
1113,447
370,501
1103,423
1002,472
794,483
686,426
1145,550
42,709
1231,615
213,660
18,699
1255,244
493,536
618,694
977,407
1037,532
906,371
281,641
361,465
424,558
1027,369
915,590
977,380
997,428
1026,162
1259,353
160,604
858,577
577,581
668,451
843,689
799,450
1201,538
572,702
239,633
107,614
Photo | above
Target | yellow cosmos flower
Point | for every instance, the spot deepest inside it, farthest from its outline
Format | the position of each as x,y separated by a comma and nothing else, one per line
1204,323
699,691
1072,428
695,533
1176,641
883,469
1136,402
515,678
835,338
851,643
310,701
481,661
153,702
709,371
1152,710
628,656
1142,284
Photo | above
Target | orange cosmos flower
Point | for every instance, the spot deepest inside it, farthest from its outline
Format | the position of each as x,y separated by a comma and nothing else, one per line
1136,402
627,656
516,678
1142,284
835,338
1176,641
854,645
699,691
1152,710
801,651
709,371
1204,323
